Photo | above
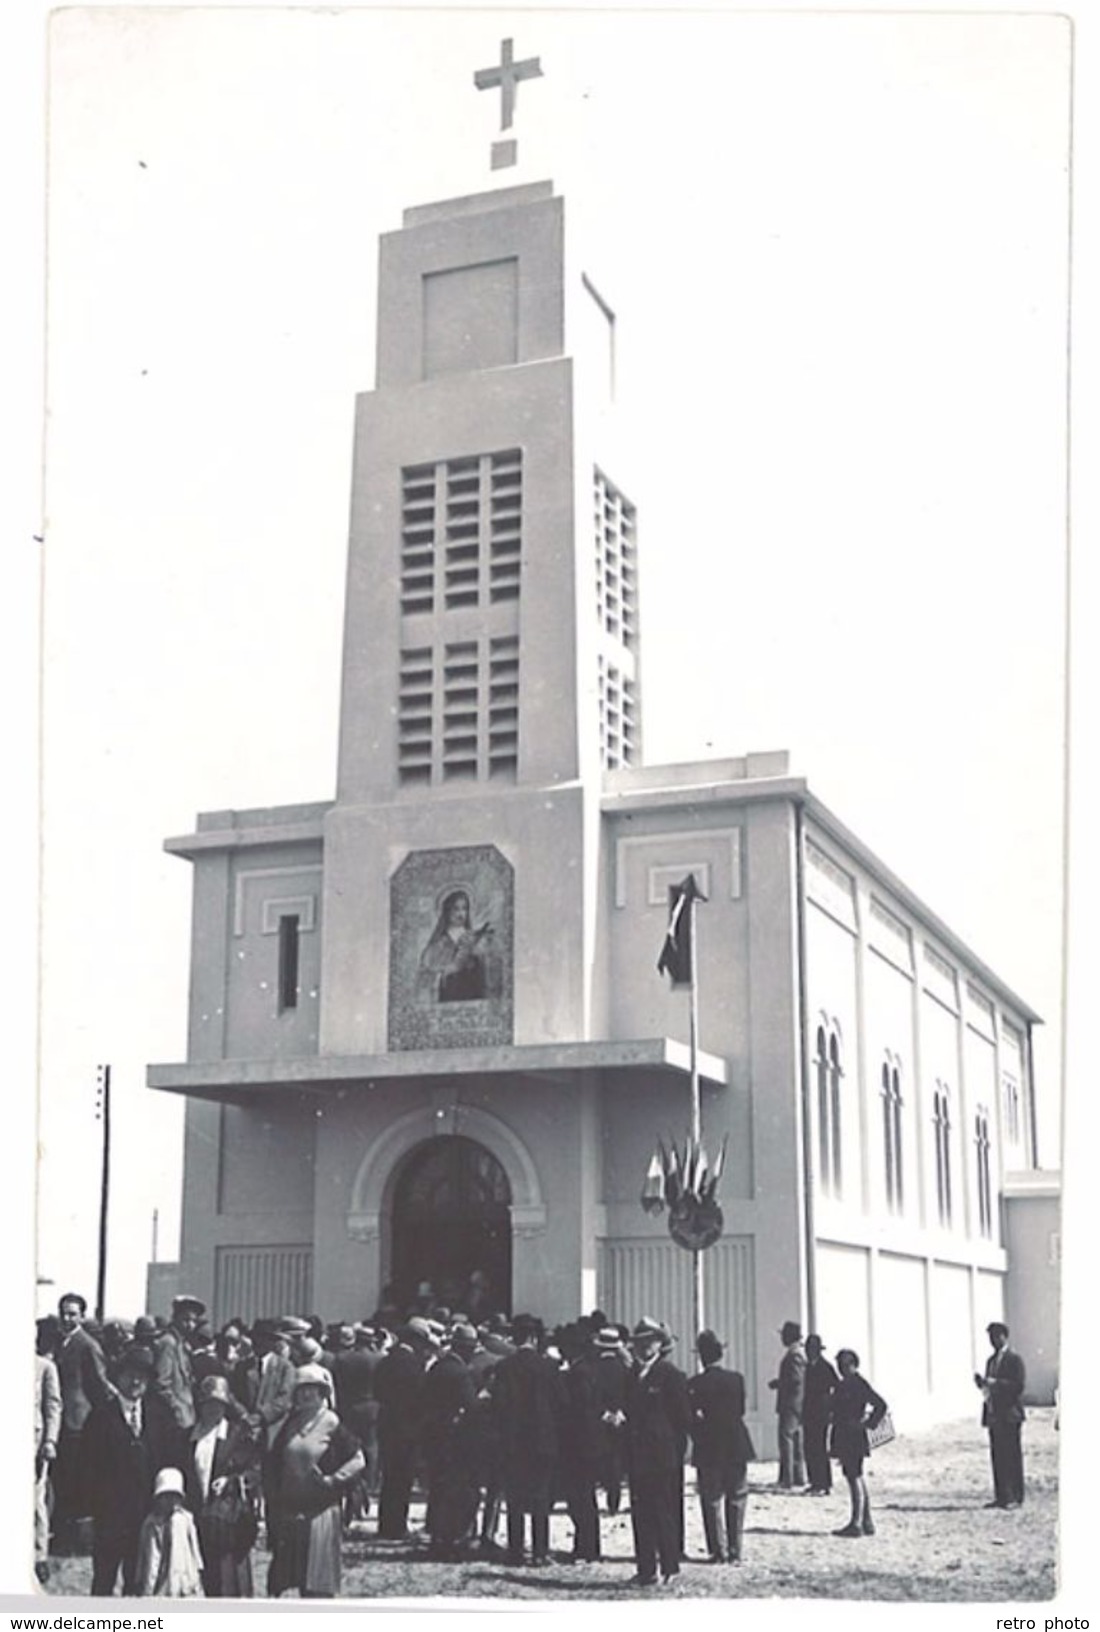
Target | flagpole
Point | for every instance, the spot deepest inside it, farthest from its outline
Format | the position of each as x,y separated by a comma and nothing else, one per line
696,1119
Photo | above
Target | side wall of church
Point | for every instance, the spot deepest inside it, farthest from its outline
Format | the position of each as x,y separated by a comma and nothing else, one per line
912,1059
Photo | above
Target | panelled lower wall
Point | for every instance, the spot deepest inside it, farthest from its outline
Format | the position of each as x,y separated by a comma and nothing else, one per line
259,1281
917,1323
648,1276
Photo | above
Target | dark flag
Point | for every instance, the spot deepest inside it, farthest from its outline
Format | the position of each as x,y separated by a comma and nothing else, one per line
675,959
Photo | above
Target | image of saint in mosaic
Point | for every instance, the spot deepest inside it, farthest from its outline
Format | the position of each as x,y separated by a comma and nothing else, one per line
454,964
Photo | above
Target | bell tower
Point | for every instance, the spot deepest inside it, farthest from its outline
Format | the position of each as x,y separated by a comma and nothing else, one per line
490,669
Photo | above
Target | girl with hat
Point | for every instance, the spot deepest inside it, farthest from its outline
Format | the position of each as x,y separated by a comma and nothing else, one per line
313,1462
169,1559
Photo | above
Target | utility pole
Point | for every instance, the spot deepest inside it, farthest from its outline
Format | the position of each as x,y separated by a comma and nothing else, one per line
103,1109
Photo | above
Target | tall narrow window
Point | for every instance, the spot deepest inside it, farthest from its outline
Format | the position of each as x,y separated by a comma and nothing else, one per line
828,1071
891,1135
288,962
941,1118
985,1187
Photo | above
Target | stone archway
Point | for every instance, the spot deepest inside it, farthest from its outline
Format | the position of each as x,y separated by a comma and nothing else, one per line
376,1181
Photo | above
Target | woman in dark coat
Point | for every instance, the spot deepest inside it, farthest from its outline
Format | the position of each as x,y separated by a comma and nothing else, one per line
221,1482
856,1407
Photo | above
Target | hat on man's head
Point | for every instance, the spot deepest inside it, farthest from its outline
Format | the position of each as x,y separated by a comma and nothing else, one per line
607,1339
997,1326
464,1335
213,1388
168,1479
293,1326
145,1326
135,1359
186,1302
790,1331
312,1376
526,1327
419,1332
650,1331
708,1346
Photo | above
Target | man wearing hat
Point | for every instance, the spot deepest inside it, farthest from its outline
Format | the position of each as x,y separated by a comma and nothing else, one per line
448,1395
657,1422
722,1449
611,1372
821,1383
527,1399
127,1441
1002,1389
398,1388
790,1391
173,1374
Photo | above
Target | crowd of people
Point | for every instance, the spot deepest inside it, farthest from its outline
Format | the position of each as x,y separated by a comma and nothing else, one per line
179,1443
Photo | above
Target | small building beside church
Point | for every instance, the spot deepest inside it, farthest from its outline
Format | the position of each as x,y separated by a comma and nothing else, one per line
427,1033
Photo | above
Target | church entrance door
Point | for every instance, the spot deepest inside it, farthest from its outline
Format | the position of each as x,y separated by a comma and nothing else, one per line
452,1218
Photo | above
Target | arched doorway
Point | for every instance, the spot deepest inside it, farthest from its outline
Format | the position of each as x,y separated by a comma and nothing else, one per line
451,1216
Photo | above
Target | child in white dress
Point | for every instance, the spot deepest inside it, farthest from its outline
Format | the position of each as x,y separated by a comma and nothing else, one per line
169,1556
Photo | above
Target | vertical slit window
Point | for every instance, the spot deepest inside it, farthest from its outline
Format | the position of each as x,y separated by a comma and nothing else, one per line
288,962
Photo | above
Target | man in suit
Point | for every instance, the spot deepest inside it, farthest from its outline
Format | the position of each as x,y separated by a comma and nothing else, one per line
790,1389
723,1450
174,1379
47,1431
820,1386
657,1424
127,1441
611,1373
82,1373
398,1388
528,1405
1002,1389
448,1395
581,1446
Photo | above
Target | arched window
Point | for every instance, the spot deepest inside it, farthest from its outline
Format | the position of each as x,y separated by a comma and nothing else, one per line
941,1120
828,1073
891,1135
985,1187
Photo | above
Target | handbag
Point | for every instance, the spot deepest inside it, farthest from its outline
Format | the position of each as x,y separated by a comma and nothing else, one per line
231,1517
882,1433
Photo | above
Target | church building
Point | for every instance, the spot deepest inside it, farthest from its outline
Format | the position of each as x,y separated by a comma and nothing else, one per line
427,1032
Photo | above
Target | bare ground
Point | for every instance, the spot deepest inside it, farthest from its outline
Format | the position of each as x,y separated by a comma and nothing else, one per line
935,1542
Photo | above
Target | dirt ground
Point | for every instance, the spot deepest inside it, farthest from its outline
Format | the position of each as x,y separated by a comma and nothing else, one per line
935,1542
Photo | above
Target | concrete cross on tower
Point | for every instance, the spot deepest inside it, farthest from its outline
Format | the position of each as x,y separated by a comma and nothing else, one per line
506,75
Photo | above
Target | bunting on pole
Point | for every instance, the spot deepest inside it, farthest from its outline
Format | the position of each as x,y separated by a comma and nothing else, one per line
675,958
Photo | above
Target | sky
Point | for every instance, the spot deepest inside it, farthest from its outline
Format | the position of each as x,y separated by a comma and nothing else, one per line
841,358
837,247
